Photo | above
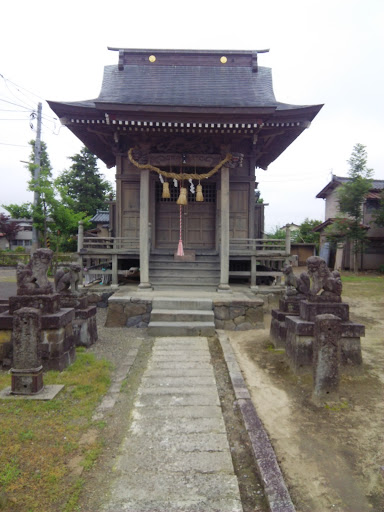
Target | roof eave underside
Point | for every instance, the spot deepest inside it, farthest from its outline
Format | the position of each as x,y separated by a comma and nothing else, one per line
97,111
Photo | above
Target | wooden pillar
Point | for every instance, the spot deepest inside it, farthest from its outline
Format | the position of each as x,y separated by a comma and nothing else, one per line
119,199
224,239
144,230
115,275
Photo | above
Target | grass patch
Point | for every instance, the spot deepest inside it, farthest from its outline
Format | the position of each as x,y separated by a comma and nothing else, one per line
363,286
38,439
337,406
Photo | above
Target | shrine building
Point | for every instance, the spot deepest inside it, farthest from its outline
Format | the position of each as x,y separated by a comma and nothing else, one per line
186,131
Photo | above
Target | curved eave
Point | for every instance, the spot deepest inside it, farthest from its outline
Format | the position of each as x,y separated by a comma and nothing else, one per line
279,125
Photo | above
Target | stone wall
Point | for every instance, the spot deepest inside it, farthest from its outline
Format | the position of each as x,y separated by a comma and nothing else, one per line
135,313
239,315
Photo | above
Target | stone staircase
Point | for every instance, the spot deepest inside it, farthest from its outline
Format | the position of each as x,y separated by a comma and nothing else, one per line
172,316
165,272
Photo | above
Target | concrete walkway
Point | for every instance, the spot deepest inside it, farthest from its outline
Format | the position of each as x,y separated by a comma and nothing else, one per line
175,456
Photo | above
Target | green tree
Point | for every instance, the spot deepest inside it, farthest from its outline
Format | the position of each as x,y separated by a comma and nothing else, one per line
351,197
306,234
19,211
52,215
82,185
276,233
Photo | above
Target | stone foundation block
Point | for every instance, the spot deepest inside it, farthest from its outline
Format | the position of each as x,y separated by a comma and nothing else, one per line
26,382
47,304
309,310
299,345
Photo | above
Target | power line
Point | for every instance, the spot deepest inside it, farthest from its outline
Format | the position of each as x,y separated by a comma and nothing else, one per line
16,104
21,87
30,92
16,145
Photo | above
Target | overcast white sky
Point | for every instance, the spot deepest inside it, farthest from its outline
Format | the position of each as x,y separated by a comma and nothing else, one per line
328,51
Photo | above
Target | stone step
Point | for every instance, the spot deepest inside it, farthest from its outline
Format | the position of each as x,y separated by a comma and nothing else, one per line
181,329
175,273
177,303
201,287
181,315
207,265
186,279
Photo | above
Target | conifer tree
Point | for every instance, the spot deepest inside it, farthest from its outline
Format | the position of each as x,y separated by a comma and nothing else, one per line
83,185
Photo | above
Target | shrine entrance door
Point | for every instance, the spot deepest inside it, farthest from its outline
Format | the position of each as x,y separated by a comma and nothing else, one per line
198,220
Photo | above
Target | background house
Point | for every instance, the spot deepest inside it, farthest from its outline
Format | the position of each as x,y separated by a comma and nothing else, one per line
22,238
373,255
101,221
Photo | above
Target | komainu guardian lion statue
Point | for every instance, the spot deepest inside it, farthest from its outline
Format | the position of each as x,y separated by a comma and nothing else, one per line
67,279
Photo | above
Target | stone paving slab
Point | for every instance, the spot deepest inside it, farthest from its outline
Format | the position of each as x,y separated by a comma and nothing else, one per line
187,412
197,390
165,426
202,462
173,489
181,364
176,456
181,372
228,505
175,341
180,382
184,356
195,442
175,399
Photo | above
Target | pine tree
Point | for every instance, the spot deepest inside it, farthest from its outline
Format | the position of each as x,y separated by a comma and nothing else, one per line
83,185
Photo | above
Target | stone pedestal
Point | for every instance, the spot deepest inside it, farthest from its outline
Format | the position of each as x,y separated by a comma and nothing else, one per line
27,370
84,325
300,336
57,341
288,306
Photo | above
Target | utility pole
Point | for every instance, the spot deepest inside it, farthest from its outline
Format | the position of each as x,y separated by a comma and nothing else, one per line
36,174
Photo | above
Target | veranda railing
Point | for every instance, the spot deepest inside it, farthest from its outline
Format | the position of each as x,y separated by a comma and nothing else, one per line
269,254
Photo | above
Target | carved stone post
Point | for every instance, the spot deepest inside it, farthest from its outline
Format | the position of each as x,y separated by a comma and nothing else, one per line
326,357
224,244
144,234
287,240
27,370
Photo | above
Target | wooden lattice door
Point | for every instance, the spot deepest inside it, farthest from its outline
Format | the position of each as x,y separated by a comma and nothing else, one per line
198,220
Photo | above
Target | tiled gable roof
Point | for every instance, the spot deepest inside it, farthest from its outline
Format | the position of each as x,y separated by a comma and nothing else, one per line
196,86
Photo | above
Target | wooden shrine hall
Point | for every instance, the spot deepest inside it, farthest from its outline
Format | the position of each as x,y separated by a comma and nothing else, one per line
186,130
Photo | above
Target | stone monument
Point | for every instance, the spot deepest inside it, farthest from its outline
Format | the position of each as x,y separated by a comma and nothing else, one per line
323,296
27,370
297,289
57,347
84,325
